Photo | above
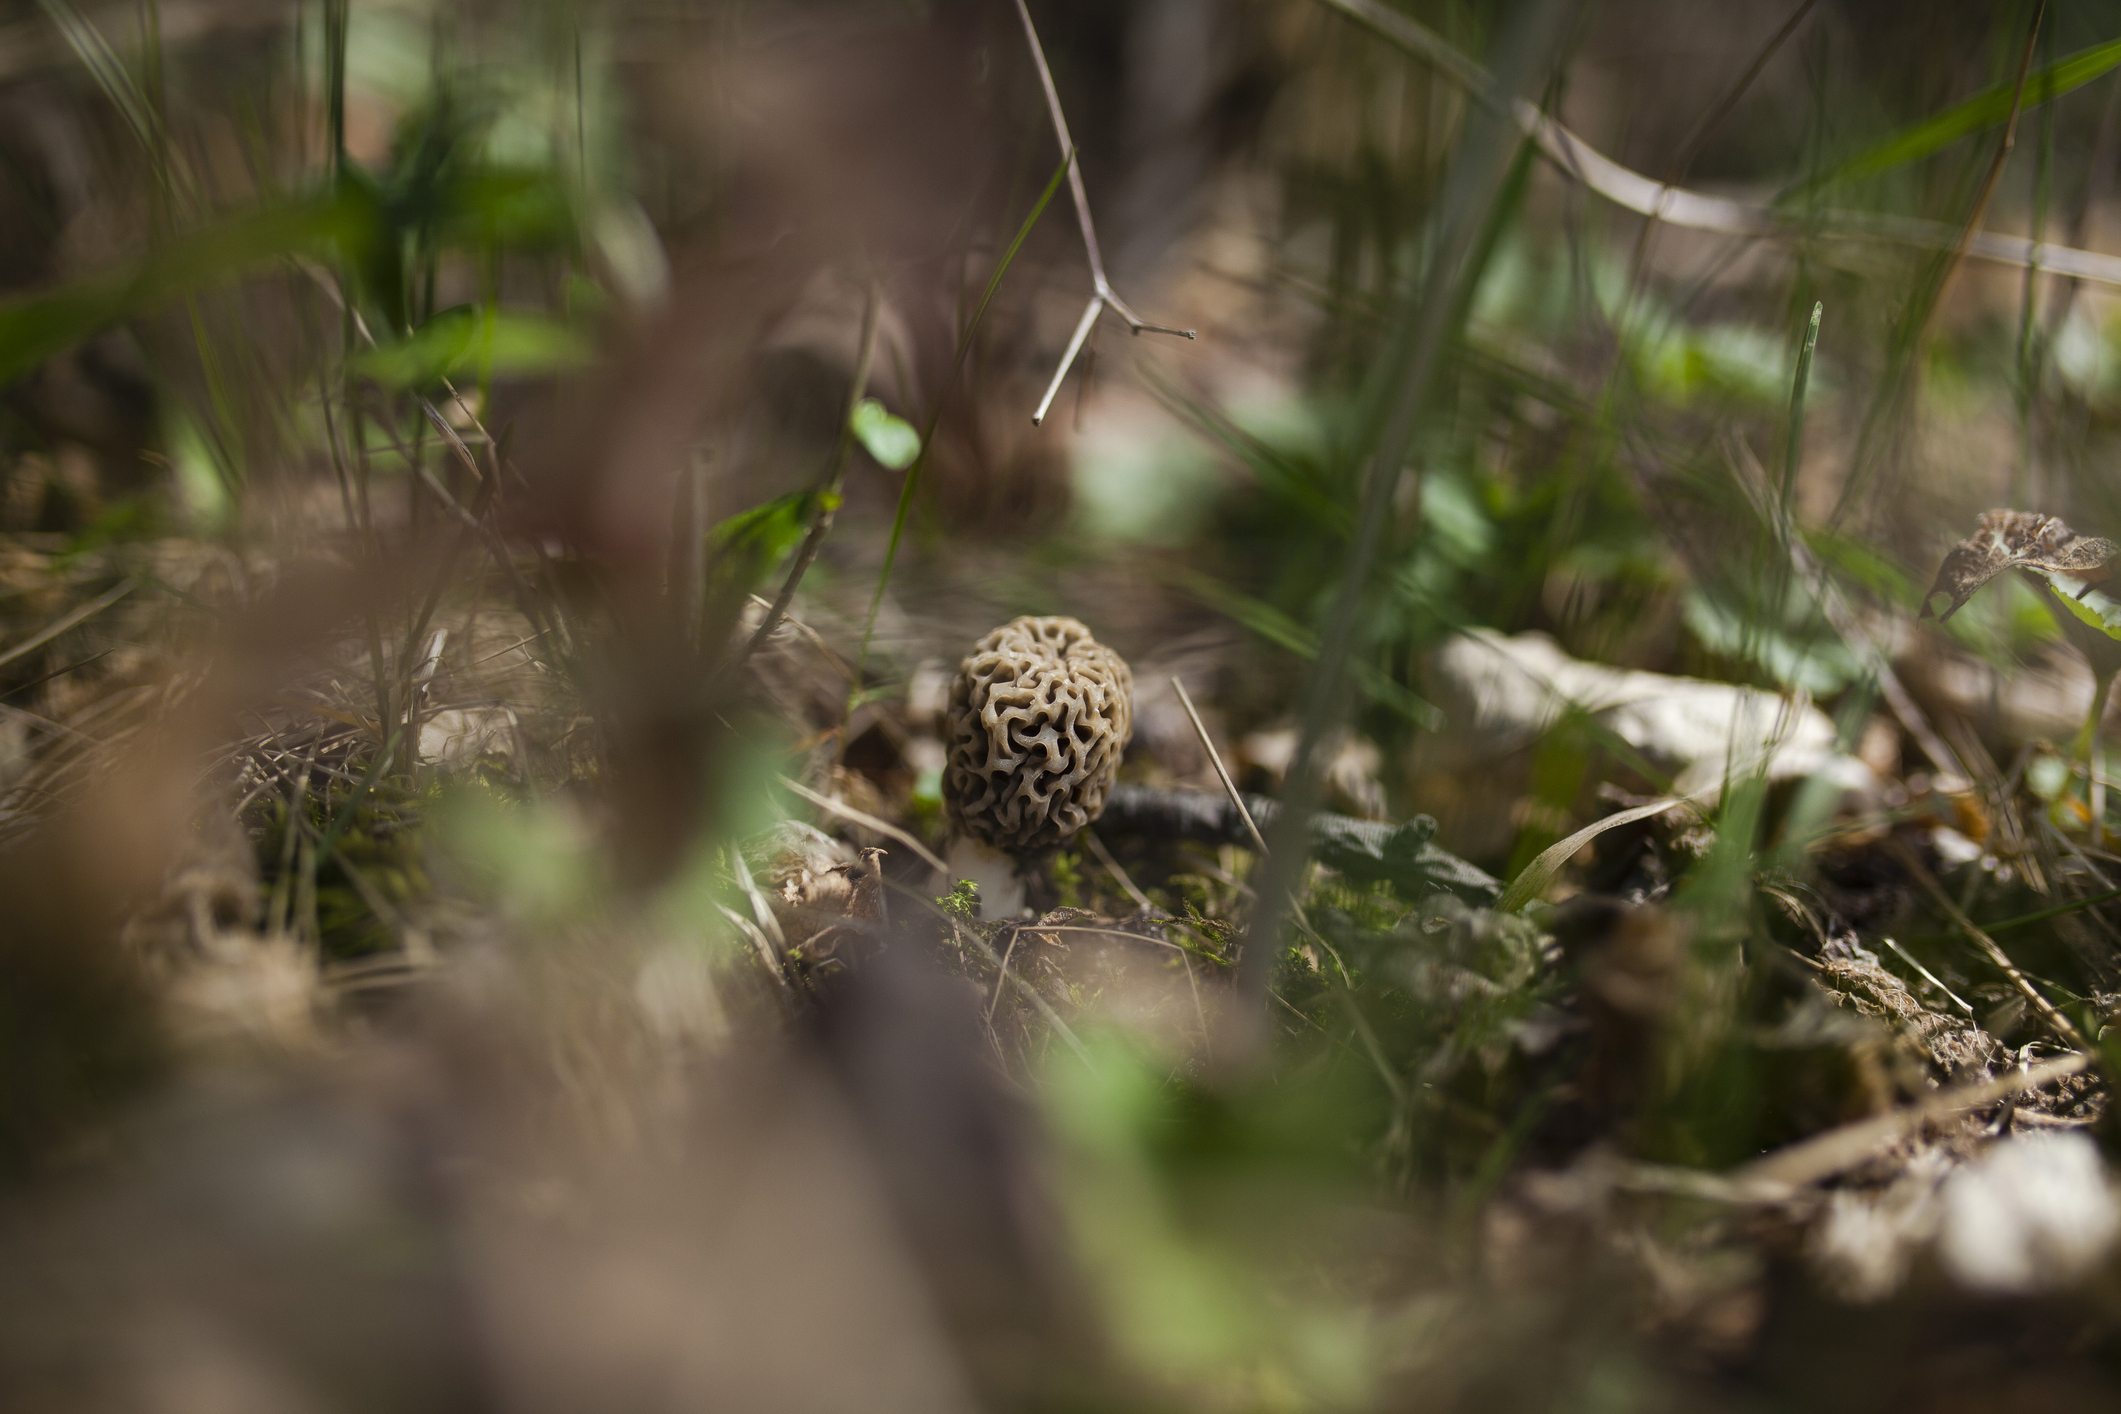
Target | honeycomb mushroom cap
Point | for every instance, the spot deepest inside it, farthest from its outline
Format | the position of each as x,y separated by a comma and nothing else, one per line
1039,716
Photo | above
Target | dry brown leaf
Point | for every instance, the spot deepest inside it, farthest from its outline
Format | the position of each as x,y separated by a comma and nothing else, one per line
2018,540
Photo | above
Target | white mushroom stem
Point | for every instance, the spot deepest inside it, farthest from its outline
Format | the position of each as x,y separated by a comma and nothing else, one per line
1001,888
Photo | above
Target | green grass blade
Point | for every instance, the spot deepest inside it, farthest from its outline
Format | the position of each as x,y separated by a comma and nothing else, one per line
1532,880
33,328
1282,631
1799,387
2076,906
964,345
1987,109
354,800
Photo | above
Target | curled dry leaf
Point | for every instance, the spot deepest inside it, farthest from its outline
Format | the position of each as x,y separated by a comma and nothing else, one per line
2018,540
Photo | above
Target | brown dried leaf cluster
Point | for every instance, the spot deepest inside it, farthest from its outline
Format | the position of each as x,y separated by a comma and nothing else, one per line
2029,540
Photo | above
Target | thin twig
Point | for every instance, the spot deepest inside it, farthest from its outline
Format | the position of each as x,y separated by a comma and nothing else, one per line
1222,773
1030,993
1929,976
839,664
1103,295
1104,857
866,821
81,615
2003,155
1075,345
2061,1025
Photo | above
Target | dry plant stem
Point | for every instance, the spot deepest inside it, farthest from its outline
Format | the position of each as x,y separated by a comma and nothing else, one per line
866,821
1697,211
1104,856
1001,977
1259,842
1822,1156
839,664
1691,148
2064,1029
1102,292
1931,977
2088,752
1030,993
828,490
1075,346
1222,772
762,948
1754,481
58,626
1995,169
1471,186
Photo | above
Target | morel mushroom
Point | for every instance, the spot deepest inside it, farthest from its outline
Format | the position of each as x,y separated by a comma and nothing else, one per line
1038,718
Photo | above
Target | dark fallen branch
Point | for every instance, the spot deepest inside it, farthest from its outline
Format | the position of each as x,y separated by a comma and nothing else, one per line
1404,856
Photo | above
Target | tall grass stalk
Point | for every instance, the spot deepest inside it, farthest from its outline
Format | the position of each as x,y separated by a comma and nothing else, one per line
1433,316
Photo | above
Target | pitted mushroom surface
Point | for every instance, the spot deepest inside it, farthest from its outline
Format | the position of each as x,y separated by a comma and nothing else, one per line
1038,718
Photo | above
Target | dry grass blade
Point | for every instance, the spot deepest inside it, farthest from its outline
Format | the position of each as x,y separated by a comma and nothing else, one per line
1029,993
60,625
761,946
1222,772
1825,1155
2062,1026
868,822
1096,847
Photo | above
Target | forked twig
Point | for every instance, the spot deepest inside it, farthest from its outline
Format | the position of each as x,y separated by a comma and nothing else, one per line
1102,294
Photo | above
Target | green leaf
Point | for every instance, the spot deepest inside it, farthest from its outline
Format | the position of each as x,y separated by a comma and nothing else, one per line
2089,606
891,440
769,528
467,339
1987,109
750,543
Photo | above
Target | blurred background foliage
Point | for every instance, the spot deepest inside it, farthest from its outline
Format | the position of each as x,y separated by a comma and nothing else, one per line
419,404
